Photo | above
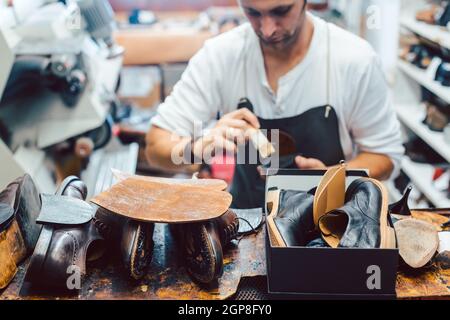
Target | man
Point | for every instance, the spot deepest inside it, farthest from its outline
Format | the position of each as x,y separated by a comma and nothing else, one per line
287,62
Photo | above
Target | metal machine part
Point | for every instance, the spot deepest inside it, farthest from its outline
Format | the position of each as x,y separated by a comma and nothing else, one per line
100,23
52,89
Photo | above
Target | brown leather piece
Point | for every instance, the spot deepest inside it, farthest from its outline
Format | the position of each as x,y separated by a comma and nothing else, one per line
149,201
12,252
215,184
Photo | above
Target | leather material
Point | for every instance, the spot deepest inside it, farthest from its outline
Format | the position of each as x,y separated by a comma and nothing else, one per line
73,187
12,252
358,224
214,184
317,243
227,227
251,220
163,203
76,211
64,249
248,189
294,220
202,245
133,239
19,207
23,197
136,247
330,193
200,249
6,216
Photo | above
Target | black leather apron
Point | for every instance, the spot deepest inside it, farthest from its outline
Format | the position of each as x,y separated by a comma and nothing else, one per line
315,134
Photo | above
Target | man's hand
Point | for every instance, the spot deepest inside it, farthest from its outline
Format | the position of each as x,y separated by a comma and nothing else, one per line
309,163
229,131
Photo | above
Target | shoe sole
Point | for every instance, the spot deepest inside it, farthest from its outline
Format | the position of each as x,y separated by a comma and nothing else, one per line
211,256
273,200
26,218
417,241
387,233
138,264
330,193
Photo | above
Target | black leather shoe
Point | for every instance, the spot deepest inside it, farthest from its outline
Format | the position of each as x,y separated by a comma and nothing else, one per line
293,225
443,74
363,221
68,239
19,209
133,240
202,245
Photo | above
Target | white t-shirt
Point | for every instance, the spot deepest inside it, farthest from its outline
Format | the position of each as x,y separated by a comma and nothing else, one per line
231,66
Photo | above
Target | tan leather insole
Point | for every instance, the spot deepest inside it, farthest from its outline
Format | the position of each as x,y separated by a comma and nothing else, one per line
273,203
151,201
215,184
333,227
330,193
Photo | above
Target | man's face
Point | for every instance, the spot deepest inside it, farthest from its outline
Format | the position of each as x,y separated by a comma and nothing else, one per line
276,22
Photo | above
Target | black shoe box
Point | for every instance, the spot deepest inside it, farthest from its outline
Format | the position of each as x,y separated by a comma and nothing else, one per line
326,273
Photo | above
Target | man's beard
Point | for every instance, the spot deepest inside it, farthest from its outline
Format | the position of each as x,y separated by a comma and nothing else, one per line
284,42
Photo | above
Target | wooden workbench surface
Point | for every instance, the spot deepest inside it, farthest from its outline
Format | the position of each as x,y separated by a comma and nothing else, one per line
167,278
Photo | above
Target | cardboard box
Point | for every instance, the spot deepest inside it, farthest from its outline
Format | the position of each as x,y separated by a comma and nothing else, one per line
327,273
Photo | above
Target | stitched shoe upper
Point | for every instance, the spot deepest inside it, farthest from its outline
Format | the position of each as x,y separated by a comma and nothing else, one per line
295,217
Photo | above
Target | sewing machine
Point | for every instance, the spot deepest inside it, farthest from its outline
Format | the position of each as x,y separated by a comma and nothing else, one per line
58,73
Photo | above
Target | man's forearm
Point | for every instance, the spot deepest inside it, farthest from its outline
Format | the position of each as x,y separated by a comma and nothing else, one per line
166,154
379,165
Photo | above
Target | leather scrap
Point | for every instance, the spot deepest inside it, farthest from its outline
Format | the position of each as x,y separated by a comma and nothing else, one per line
150,201
215,184
64,210
432,281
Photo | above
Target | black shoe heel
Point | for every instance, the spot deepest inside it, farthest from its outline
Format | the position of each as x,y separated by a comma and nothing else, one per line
401,207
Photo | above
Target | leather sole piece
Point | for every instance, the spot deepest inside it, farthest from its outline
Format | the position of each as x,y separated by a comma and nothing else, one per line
28,211
12,251
387,233
417,241
273,202
330,193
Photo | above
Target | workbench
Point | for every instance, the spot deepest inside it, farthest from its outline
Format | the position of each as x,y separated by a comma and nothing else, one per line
244,275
